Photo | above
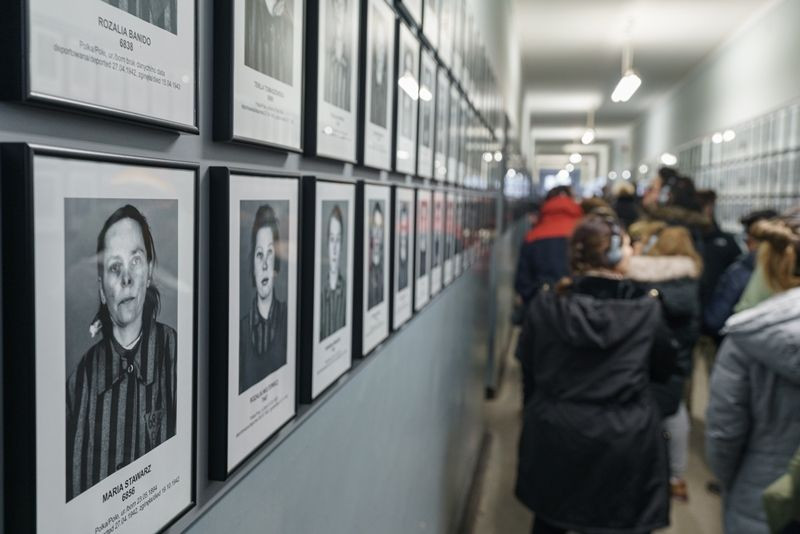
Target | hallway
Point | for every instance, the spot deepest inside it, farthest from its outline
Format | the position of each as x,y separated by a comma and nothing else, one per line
499,512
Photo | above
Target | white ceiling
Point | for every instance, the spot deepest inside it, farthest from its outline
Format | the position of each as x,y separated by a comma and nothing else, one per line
571,52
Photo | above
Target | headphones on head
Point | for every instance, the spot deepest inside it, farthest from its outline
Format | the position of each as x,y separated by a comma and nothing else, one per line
614,253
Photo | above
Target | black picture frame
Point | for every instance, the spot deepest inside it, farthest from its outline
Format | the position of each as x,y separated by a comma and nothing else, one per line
17,196
309,287
312,85
404,145
422,264
223,128
359,280
397,300
219,310
15,84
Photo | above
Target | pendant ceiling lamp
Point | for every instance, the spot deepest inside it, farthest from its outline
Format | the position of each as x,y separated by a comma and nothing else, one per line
630,80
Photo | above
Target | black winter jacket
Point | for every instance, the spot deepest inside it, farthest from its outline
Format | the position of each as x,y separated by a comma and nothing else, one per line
592,457
676,279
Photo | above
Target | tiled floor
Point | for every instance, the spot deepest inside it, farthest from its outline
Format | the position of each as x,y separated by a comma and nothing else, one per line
500,513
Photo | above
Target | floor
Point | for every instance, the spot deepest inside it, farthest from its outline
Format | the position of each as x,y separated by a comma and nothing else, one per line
500,513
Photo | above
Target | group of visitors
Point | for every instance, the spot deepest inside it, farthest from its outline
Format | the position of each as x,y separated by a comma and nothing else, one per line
616,297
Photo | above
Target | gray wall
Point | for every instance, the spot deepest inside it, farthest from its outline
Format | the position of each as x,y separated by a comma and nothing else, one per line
393,446
756,71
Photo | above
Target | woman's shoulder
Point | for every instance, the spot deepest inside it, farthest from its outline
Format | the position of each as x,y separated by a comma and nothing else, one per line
164,330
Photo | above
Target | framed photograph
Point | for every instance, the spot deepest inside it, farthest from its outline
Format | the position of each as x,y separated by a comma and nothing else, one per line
427,114
376,146
459,235
454,143
449,237
437,236
327,288
403,276
413,8
445,48
371,321
461,136
422,270
255,234
441,126
258,72
430,22
332,79
101,300
407,101
135,60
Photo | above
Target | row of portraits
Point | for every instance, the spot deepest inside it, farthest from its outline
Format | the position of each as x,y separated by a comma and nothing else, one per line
101,299
288,74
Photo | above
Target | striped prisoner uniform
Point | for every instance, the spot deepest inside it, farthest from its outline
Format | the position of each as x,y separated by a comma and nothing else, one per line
121,404
334,308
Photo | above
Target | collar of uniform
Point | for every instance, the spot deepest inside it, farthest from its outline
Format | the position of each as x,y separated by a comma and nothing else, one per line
110,366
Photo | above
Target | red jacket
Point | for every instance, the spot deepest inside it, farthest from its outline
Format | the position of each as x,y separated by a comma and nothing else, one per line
558,218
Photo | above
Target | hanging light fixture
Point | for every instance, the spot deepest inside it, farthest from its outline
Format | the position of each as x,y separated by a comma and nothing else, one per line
575,158
589,134
630,80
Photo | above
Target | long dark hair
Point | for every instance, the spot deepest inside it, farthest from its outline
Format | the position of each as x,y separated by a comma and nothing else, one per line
152,299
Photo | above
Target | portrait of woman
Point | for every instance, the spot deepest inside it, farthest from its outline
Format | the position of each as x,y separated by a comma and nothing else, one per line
121,398
263,329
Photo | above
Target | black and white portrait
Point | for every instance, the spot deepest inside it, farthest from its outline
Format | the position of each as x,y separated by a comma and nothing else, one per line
333,275
407,94
377,209
426,106
422,236
269,38
381,31
403,245
339,38
121,339
264,314
437,231
161,13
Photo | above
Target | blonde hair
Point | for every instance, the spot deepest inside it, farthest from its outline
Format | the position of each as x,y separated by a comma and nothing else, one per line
644,230
778,251
676,241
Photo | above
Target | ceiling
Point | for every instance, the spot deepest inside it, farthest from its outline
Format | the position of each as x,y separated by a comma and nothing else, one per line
571,54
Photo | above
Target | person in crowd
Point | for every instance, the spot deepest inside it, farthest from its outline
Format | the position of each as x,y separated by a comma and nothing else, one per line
668,262
672,198
731,284
597,206
543,255
720,248
592,457
752,422
625,202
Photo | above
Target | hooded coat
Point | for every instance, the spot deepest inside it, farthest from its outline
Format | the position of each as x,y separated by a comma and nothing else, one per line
753,419
676,279
543,257
592,457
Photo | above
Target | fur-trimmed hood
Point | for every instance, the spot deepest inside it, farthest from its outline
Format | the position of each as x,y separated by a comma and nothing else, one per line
662,268
674,215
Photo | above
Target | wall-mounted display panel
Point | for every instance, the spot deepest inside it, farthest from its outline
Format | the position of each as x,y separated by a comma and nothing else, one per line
422,287
449,237
437,256
430,24
101,300
442,124
332,73
403,283
372,301
378,86
132,60
327,288
407,100
453,144
427,114
258,72
255,236
458,246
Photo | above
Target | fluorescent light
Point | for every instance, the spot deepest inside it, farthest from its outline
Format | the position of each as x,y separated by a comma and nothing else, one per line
612,175
570,167
487,157
668,159
626,86
425,94
409,85
575,158
643,169
588,136
728,135
563,177
498,156
716,138
327,130
402,154
626,174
